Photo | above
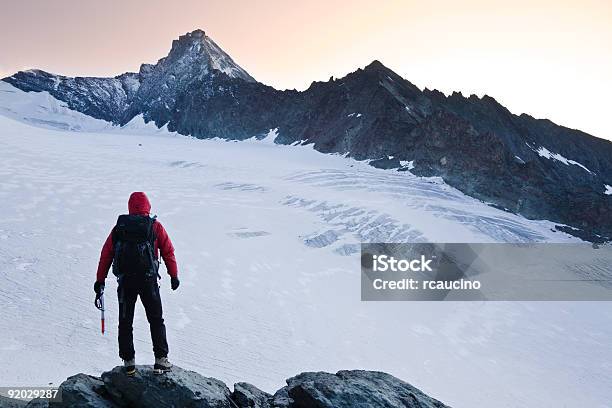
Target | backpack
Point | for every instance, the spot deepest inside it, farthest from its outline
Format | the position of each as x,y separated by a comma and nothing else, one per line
134,245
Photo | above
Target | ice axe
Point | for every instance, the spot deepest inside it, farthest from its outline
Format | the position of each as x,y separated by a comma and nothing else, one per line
99,302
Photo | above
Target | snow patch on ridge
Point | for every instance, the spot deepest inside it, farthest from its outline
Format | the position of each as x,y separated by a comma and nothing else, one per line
408,165
547,154
270,136
219,60
138,125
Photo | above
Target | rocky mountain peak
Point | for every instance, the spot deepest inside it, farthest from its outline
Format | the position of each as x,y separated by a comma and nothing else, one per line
372,113
376,65
196,50
186,43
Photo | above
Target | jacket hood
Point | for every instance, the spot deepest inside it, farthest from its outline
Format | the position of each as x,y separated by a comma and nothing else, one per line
139,204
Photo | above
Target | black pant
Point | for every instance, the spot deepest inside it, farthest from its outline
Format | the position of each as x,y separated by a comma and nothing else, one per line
148,290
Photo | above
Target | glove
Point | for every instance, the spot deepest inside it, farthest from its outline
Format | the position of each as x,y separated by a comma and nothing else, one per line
99,288
174,283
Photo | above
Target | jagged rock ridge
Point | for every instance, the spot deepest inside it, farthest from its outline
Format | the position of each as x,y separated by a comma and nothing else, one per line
182,388
517,163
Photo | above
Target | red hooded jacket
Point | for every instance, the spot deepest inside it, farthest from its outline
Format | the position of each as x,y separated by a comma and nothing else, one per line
139,204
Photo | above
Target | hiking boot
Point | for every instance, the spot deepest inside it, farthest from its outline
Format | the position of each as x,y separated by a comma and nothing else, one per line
130,367
162,365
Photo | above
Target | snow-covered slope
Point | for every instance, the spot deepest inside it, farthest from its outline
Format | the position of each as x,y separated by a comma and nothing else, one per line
219,60
266,238
43,110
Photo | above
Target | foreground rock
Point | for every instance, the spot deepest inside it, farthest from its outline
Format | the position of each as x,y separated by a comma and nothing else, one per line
179,388
183,388
354,389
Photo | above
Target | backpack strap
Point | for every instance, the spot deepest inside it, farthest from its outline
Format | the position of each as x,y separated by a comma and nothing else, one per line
152,236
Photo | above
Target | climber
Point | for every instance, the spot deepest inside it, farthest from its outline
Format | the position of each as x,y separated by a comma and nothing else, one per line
132,248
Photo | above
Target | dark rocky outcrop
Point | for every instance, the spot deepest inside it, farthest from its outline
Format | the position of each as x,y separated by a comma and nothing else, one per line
247,395
355,388
78,391
518,163
182,388
6,402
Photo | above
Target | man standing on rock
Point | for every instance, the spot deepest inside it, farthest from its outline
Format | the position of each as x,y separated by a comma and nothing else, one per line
132,248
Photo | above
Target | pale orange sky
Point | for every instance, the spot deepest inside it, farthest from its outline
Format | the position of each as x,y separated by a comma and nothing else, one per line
547,58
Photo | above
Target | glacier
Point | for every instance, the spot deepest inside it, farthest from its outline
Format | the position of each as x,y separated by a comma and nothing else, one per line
267,240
